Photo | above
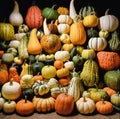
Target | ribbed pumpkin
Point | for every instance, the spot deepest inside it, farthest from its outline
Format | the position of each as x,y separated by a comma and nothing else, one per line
108,60
34,18
77,33
50,43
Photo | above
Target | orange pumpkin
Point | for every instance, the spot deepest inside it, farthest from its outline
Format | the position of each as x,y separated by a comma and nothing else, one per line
64,104
108,60
64,81
58,64
78,33
3,74
24,107
63,10
34,18
50,43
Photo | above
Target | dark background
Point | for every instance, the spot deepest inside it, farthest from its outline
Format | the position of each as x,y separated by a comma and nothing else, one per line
6,6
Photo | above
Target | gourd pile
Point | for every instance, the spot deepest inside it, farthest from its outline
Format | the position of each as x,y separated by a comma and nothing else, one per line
58,60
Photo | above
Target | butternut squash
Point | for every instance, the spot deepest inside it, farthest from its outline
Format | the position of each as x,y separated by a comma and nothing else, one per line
34,47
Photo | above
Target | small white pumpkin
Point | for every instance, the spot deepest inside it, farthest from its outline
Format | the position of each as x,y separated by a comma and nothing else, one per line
53,82
66,19
2,101
69,65
63,28
97,43
85,105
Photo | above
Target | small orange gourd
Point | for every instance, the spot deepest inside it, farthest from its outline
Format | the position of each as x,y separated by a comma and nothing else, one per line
34,47
78,33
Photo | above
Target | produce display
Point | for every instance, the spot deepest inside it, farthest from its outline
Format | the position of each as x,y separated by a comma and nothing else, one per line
55,59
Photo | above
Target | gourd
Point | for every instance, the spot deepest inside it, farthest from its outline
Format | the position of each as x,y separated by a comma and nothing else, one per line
115,99
75,87
108,60
97,43
12,51
62,55
85,105
23,54
92,32
3,74
114,42
8,58
26,81
64,104
2,101
44,105
64,81
55,92
112,79
104,107
89,74
16,18
53,82
34,18
6,31
23,28
48,71
63,10
24,107
58,64
69,65
77,33
14,44
65,38
103,34
50,13
11,90
67,46
34,47
60,73
108,22
9,106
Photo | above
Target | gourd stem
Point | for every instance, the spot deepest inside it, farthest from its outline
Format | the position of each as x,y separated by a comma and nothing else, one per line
11,81
25,98
9,101
84,98
106,13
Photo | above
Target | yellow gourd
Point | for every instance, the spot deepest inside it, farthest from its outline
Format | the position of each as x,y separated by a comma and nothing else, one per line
34,46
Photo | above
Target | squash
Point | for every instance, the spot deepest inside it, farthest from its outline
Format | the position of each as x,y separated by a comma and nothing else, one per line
2,101
112,79
108,22
34,18
64,104
103,34
34,47
6,31
67,46
89,74
65,38
97,43
60,73
63,10
58,64
23,28
24,107
104,107
108,60
11,90
85,105
77,33
44,105
53,82
50,43
69,65
92,32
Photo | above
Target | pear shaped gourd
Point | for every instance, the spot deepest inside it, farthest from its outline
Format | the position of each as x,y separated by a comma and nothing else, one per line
16,18
34,47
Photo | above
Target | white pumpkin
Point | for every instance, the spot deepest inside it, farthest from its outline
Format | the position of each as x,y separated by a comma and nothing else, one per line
69,65
66,19
97,43
85,105
108,22
11,90
2,101
63,28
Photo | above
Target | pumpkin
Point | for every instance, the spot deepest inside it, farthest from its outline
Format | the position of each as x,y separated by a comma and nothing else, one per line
65,38
64,81
115,99
53,28
53,82
89,74
90,20
104,107
58,64
69,65
44,104
62,72
63,10
24,107
97,43
103,34
9,106
108,60
108,22
110,91
48,71
64,104
8,58
50,43
67,46
3,74
34,18
77,33
50,13
112,79
11,90
6,31
85,105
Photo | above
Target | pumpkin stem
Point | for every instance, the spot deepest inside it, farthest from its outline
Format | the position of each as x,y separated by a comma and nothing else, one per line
84,98
106,12
9,101
25,98
11,81
54,6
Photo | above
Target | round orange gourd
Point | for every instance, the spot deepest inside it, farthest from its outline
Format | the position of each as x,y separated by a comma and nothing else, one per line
50,43
58,64
64,81
24,107
63,10
34,18
64,104
77,33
